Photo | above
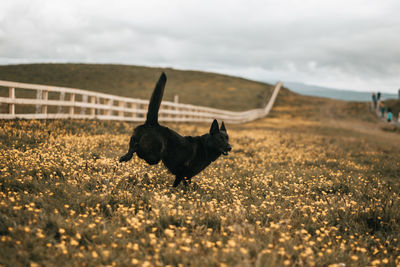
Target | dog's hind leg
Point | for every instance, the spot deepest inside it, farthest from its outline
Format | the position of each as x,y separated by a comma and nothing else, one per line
129,155
126,157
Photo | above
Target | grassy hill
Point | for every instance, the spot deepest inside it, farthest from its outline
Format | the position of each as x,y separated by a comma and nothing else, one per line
193,87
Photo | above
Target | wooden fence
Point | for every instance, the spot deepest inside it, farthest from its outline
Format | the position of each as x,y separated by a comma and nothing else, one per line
51,102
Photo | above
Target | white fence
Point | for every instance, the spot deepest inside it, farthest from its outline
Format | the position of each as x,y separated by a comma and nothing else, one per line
63,103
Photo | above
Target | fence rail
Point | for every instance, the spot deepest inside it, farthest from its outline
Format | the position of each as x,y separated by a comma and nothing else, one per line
53,102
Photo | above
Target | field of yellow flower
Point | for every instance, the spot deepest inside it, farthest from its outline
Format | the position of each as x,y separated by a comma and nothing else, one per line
290,193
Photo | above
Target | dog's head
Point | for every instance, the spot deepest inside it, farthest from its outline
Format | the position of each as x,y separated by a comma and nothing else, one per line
219,138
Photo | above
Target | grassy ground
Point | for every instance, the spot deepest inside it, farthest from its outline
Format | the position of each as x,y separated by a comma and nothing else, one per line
306,186
193,87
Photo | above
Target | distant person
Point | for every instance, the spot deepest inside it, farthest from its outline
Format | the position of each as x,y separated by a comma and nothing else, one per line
399,93
378,96
374,100
382,108
390,115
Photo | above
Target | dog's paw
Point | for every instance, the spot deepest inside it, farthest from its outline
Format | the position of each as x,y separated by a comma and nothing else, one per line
124,158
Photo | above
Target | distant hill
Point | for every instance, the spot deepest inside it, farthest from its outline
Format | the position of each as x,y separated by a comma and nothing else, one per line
346,95
193,87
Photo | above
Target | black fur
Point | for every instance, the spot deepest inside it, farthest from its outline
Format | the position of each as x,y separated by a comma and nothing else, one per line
184,156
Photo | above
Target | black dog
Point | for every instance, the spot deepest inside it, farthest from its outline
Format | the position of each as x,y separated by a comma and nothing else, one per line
184,156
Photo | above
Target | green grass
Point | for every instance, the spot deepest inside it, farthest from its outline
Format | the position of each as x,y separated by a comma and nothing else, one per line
193,87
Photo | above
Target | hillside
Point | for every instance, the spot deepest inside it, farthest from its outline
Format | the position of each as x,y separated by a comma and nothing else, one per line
193,87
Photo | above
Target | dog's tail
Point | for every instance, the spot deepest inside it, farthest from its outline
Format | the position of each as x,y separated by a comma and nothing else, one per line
155,101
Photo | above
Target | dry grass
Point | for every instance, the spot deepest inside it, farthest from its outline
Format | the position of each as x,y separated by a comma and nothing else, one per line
292,192
193,87
316,183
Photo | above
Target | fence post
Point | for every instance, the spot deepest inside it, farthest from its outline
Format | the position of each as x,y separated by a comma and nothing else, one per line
176,101
93,110
109,102
62,97
45,96
98,111
84,100
71,108
11,94
39,96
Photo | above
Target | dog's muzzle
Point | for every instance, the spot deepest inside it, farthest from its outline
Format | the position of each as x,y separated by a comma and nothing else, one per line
227,149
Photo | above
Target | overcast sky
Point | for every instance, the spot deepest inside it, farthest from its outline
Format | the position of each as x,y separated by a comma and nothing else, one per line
349,44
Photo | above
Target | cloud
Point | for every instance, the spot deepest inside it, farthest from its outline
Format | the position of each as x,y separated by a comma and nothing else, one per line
349,44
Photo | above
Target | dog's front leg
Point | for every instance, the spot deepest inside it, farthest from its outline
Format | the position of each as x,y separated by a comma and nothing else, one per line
177,181
131,150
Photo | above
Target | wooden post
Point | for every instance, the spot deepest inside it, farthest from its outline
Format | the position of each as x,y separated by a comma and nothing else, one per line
93,110
71,108
84,100
176,101
45,96
39,96
98,111
62,97
11,94
108,102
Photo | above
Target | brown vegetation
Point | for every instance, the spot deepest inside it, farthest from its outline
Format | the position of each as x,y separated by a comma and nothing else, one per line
193,87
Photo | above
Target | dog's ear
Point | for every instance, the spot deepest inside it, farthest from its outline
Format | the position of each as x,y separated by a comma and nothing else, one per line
214,127
223,129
